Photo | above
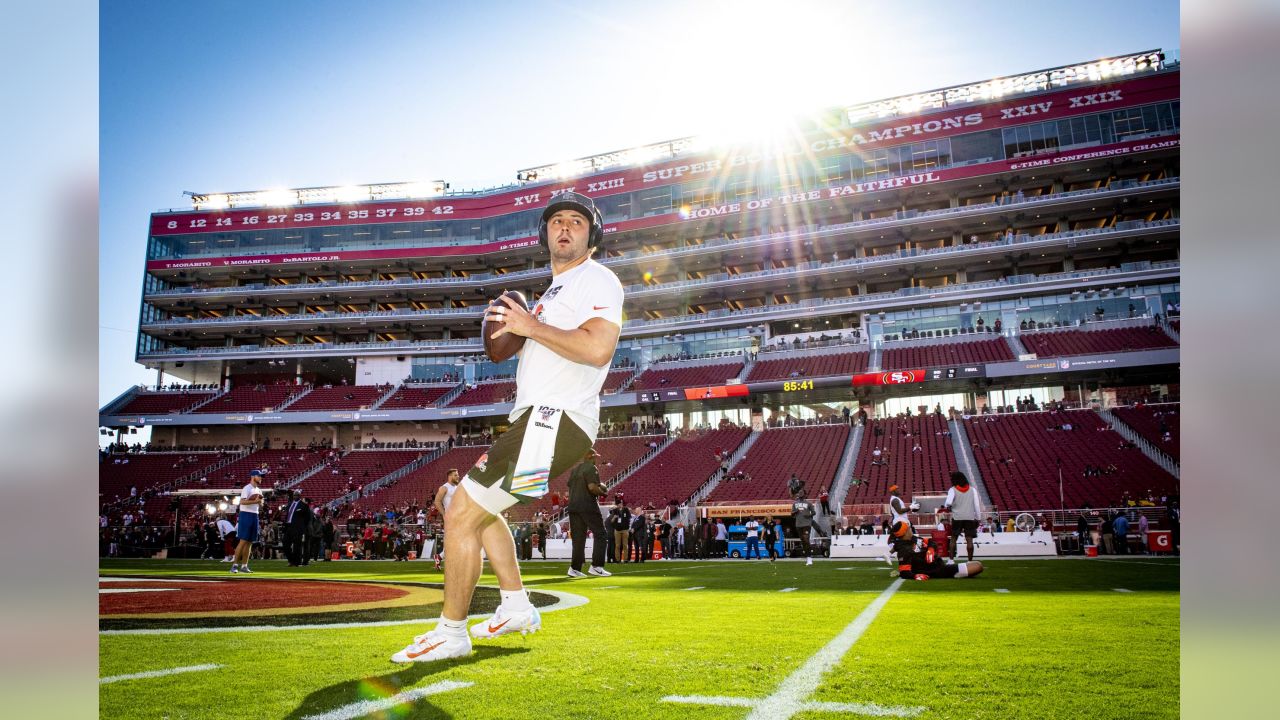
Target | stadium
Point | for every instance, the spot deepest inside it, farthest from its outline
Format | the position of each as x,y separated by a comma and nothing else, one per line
982,277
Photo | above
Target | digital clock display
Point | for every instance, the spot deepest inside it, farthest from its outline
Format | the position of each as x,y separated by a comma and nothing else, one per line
793,386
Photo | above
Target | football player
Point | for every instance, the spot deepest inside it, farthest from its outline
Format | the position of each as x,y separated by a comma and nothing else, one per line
919,559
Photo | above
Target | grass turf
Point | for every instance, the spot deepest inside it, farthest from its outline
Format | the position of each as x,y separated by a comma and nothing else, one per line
1061,643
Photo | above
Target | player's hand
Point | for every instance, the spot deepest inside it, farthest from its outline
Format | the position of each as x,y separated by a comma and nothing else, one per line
922,577
517,320
914,505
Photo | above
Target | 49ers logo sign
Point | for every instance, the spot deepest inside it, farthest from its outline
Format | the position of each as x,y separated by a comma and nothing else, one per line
892,377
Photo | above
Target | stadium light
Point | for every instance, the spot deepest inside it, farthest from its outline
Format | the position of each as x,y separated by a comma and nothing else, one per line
208,508
278,198
351,193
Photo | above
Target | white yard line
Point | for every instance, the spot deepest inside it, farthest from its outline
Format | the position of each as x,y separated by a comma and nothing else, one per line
789,698
368,707
788,589
157,673
1122,590
117,591
697,587
1002,590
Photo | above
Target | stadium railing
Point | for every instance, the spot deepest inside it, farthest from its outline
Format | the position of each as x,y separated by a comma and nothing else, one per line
924,215
872,300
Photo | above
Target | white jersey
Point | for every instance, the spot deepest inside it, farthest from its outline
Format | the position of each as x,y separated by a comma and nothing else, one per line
225,528
965,504
898,507
247,492
449,490
543,377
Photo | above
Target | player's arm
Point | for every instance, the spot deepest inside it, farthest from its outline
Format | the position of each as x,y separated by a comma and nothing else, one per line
951,498
591,343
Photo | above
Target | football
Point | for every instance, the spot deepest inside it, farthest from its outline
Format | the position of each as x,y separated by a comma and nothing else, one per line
506,346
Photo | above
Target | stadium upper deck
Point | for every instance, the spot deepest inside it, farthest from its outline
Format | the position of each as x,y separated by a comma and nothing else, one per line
1033,198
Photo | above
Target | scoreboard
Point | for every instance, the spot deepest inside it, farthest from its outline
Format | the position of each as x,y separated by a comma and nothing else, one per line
800,385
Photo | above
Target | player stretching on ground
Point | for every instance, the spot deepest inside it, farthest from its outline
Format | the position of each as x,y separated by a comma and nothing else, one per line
919,559
572,334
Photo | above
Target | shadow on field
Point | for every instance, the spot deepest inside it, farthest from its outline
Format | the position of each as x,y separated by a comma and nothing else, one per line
381,687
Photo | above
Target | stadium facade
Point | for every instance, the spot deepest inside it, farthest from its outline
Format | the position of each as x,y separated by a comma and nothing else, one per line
962,248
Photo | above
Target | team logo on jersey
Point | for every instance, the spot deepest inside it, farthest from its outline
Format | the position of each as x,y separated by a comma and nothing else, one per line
537,313
483,463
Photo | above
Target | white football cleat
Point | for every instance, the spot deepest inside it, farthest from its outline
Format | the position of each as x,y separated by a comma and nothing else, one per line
234,569
505,621
598,571
576,573
434,645
246,569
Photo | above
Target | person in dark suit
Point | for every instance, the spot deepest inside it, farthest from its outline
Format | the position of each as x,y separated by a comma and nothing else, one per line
639,536
297,517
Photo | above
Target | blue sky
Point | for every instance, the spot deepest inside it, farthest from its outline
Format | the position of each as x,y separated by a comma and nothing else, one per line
232,95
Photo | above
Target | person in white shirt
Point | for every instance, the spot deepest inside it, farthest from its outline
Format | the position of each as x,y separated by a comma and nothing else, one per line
753,539
444,496
571,335
247,522
226,531
966,507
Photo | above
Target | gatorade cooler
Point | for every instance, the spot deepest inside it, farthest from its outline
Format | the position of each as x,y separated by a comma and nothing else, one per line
942,542
1160,541
1091,551
333,555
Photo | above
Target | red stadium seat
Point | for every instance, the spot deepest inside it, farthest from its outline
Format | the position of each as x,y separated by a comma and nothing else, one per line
812,452
681,468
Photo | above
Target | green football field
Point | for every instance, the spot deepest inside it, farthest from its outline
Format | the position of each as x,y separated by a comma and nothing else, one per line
1059,638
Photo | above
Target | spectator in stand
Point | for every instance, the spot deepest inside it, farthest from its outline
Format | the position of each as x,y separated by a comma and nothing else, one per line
795,486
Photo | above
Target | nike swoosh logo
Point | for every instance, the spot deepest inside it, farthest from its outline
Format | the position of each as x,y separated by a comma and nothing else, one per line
599,307
427,650
493,629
